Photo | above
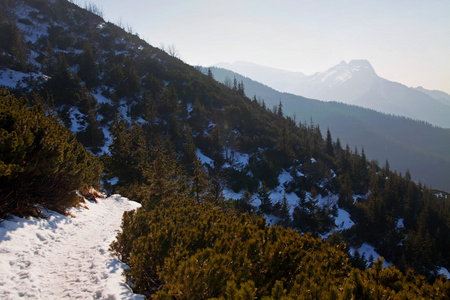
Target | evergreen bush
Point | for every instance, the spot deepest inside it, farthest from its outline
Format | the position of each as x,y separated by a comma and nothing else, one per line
41,162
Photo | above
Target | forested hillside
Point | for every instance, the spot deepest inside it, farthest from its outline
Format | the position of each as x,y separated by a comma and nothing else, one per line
181,143
407,144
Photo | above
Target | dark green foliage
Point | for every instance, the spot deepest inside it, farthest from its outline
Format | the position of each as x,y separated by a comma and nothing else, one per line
63,86
41,163
146,167
263,194
92,136
200,180
283,213
202,251
308,216
13,48
59,38
88,70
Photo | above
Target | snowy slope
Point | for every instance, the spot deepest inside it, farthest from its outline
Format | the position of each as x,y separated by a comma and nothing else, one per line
64,257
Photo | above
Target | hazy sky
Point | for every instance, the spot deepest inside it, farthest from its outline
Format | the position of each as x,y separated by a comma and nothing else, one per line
407,41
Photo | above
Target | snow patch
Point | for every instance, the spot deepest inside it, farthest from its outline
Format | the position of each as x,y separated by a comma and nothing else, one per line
123,110
76,119
400,224
368,252
204,159
285,177
343,220
444,271
236,160
108,140
10,78
229,194
101,99
189,108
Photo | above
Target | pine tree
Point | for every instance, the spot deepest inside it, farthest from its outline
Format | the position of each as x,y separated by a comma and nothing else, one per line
120,161
245,202
62,85
216,146
329,149
88,70
241,89
199,179
266,206
92,137
284,214
13,43
164,180
280,109
210,74
305,214
345,192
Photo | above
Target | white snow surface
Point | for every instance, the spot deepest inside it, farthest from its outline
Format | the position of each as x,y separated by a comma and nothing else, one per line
368,251
65,257
236,159
343,220
444,271
76,118
204,159
400,224
9,78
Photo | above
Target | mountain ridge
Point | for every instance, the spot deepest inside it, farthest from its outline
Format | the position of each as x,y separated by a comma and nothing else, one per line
356,83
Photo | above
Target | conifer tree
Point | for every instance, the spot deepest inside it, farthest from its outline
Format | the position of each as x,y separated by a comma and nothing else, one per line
47,59
284,214
164,180
280,109
62,85
210,74
266,206
13,43
120,161
92,137
245,202
199,179
329,149
88,70
345,192
189,148
241,89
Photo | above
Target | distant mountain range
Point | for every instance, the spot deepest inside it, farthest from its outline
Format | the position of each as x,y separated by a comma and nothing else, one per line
407,144
355,83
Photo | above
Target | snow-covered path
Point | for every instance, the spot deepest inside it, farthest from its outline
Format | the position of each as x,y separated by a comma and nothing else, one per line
64,257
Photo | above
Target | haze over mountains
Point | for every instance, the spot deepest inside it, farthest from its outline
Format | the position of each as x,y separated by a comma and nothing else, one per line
354,83
407,144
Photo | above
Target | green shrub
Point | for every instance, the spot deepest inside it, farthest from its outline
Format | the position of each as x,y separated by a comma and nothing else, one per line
201,251
41,162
